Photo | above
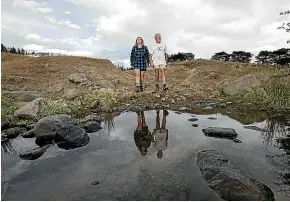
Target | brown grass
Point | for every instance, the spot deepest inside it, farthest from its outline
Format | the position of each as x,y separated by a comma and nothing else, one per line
195,80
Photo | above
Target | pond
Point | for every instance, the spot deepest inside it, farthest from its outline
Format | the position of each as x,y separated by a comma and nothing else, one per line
121,163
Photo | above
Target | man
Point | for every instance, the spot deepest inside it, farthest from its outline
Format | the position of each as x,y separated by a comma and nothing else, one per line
159,59
160,134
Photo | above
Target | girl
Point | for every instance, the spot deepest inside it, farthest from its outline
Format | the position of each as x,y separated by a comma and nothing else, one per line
139,61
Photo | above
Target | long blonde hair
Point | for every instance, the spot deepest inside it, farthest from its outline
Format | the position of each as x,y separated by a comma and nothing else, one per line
141,39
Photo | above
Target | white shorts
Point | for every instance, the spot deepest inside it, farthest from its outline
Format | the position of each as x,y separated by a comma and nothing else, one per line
159,66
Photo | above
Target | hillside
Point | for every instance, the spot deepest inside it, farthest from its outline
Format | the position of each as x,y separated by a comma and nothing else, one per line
188,82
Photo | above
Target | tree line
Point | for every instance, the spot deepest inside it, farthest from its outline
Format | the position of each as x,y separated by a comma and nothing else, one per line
13,50
278,57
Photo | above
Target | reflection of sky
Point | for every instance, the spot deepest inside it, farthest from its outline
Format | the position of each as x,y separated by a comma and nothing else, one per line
184,140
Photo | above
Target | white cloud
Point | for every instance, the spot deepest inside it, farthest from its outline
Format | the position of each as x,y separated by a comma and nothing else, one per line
108,29
32,5
62,22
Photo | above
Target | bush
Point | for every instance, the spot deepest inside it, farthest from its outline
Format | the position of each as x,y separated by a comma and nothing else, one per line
8,106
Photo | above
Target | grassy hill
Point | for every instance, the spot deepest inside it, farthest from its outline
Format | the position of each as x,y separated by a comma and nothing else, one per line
188,82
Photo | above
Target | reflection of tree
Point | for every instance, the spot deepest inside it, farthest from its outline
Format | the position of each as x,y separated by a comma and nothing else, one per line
279,135
6,148
275,129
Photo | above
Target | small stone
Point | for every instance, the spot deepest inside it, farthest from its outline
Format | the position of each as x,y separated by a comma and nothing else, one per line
163,99
212,118
157,95
223,105
127,104
177,112
182,108
193,119
92,126
30,126
228,103
28,134
172,101
237,141
95,182
195,125
208,108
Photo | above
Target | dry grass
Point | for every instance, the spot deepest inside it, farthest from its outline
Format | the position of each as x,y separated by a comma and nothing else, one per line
195,80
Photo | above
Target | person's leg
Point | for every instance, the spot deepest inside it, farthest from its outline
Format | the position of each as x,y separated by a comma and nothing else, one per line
157,120
142,80
163,126
156,78
143,119
137,87
163,76
139,120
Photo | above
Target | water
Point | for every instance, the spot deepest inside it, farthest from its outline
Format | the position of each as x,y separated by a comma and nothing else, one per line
127,170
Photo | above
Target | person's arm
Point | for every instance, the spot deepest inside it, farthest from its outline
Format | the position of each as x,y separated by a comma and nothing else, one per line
150,57
147,56
132,57
166,55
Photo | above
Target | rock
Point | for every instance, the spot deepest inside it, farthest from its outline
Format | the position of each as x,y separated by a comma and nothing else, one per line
92,126
230,182
193,119
28,134
222,105
237,140
77,78
96,105
70,94
211,104
177,112
12,133
242,85
172,101
195,125
212,118
182,108
106,90
228,103
30,126
6,122
208,108
157,95
31,110
45,129
115,82
72,135
57,88
19,79
22,96
95,182
34,154
163,99
256,128
218,132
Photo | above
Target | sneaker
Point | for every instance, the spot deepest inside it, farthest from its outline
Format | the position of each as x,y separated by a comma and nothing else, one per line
141,88
166,113
137,89
164,87
156,88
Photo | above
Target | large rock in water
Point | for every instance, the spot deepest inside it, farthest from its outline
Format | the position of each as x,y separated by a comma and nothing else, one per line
34,154
22,96
92,126
242,85
72,135
12,133
218,132
228,181
30,110
45,129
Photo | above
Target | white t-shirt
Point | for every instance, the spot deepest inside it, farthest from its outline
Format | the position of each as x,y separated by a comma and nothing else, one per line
158,51
160,137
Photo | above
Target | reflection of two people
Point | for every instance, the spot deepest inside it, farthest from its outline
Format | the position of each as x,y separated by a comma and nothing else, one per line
159,136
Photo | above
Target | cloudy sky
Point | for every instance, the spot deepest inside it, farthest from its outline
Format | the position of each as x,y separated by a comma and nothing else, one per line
108,28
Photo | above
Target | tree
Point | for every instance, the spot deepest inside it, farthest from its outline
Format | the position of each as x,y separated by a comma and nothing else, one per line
22,51
281,56
285,26
264,57
241,56
13,50
223,56
3,48
180,57
18,51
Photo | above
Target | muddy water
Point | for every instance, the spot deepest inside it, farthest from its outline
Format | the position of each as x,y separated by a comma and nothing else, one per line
119,165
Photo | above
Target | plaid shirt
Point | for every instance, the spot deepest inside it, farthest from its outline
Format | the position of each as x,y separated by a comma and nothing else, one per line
139,57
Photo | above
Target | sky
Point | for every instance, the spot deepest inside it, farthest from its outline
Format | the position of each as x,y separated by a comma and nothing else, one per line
108,28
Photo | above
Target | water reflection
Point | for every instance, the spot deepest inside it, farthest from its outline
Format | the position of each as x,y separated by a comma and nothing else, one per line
160,134
142,136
